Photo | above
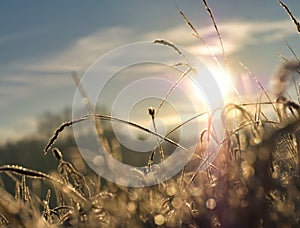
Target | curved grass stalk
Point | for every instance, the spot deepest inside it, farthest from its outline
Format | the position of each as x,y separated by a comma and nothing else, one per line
172,88
107,118
99,129
290,15
262,88
170,44
216,28
232,106
211,53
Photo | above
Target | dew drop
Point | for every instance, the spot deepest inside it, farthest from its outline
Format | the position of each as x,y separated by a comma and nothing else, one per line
171,191
85,100
98,160
177,202
159,220
275,175
131,207
211,203
257,140
133,196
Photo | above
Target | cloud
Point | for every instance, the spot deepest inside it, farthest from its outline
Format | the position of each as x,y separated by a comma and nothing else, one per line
83,52
52,71
236,36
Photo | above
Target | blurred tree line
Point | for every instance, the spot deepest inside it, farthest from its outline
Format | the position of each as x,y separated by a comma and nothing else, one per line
28,151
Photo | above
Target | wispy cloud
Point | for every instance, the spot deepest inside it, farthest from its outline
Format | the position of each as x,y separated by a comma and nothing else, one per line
83,52
53,71
236,36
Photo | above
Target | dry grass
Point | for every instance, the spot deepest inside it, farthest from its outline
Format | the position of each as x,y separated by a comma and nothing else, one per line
253,182
294,20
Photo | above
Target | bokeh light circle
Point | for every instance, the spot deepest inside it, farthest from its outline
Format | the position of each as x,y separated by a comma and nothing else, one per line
122,85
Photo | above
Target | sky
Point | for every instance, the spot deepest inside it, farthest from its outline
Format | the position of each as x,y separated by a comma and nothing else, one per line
42,42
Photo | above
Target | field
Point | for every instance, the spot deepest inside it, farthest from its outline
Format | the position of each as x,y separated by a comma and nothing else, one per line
248,178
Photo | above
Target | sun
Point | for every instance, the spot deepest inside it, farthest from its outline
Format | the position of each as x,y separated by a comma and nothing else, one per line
224,82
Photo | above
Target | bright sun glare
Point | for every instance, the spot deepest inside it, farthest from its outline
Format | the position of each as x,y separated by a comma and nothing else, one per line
224,82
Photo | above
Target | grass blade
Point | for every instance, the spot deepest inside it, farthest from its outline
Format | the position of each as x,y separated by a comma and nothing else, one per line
290,15
216,27
108,118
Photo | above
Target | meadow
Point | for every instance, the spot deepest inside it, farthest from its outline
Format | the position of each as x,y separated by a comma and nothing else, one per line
253,181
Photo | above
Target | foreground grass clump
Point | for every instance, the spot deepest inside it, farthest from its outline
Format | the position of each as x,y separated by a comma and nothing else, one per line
254,182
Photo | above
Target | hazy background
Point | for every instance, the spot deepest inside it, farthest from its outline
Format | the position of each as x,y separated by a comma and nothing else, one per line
42,42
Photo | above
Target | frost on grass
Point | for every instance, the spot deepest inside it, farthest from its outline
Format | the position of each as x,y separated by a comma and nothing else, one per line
253,182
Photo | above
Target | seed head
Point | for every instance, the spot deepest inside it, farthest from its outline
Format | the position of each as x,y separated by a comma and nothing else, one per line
151,111
57,154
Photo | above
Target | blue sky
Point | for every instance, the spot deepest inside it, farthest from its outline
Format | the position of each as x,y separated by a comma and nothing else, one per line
41,42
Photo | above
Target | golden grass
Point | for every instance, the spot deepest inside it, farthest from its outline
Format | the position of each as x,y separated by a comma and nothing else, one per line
254,180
